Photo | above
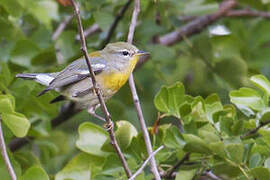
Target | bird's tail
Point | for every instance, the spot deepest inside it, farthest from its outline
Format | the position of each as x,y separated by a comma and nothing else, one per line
42,78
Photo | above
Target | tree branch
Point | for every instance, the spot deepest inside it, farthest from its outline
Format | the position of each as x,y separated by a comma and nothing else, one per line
113,26
247,13
89,31
61,27
197,25
211,175
170,171
5,154
139,171
109,123
255,130
136,98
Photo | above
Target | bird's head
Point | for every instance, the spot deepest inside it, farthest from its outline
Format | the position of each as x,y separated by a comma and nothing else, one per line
123,52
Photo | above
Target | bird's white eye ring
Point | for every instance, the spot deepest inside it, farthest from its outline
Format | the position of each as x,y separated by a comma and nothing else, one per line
125,53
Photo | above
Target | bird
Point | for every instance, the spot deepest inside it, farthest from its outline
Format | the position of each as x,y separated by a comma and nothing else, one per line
112,67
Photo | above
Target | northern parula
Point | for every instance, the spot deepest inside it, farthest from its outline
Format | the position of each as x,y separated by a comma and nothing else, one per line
112,67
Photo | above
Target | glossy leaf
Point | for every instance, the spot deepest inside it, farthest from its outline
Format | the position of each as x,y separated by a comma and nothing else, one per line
7,104
34,173
17,123
91,139
169,99
261,82
79,167
185,174
247,97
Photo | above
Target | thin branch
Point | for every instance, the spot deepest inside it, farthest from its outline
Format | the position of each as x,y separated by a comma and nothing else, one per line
255,130
136,98
139,171
117,19
109,123
176,166
197,25
247,13
211,175
61,27
5,155
89,31
56,34
233,14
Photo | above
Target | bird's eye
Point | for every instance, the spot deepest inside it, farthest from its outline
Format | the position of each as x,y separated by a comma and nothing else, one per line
125,53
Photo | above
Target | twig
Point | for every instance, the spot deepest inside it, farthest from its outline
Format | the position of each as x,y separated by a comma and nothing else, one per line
212,175
89,31
61,27
247,13
113,26
197,25
255,130
56,34
5,155
109,123
145,163
233,14
136,98
176,166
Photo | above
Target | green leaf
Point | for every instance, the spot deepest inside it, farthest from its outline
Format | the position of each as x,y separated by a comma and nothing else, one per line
67,45
235,152
34,173
174,139
17,123
265,115
225,169
7,104
91,139
267,163
196,144
13,7
79,167
44,11
197,8
261,82
112,166
103,19
185,174
247,97
169,99
260,173
5,74
255,160
124,133
23,52
208,136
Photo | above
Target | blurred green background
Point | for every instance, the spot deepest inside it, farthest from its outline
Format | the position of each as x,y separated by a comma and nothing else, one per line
219,59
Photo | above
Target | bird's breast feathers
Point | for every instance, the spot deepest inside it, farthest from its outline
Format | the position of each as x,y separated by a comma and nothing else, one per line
114,80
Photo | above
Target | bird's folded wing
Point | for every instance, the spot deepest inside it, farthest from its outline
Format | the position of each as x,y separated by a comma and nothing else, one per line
77,71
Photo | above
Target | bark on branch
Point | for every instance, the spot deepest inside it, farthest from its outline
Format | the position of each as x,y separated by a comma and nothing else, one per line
197,25
5,154
136,98
109,123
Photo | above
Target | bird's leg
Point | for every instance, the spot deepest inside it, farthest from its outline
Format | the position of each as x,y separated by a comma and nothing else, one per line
92,111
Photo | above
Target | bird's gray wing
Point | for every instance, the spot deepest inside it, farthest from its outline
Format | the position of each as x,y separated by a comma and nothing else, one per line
75,72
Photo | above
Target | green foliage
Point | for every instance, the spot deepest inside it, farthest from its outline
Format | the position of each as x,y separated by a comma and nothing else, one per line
191,84
35,172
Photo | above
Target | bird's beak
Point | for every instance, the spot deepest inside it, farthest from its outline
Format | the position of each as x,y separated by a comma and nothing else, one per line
142,53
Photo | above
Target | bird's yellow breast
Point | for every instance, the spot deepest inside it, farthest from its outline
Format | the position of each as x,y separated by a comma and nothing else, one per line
116,79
